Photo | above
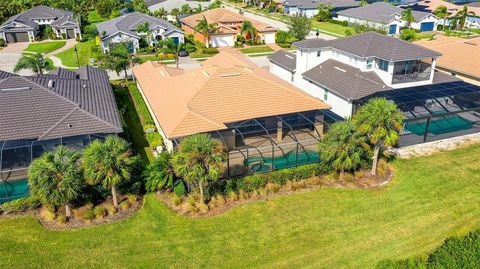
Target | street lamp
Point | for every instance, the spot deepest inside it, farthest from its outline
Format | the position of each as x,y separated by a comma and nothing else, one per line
76,53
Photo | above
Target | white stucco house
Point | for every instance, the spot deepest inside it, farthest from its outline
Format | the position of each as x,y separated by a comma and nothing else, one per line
309,8
124,29
26,26
385,16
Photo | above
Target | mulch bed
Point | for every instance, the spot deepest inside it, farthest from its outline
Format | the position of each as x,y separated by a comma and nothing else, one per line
365,181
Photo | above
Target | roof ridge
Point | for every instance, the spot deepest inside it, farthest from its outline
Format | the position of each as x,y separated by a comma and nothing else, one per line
44,134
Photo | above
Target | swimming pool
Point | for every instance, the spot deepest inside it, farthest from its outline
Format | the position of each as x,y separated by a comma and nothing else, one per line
259,164
441,125
11,190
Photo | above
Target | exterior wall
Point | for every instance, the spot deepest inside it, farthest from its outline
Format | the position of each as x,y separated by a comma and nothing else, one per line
198,36
464,77
431,18
227,40
120,38
377,25
181,37
282,73
269,38
295,10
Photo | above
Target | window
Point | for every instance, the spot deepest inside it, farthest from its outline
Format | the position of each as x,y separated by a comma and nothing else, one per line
369,63
293,75
325,95
318,53
382,65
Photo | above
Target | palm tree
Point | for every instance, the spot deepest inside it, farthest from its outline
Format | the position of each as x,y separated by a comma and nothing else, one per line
160,173
442,13
119,59
462,16
247,27
199,161
175,12
145,28
185,9
160,13
36,63
55,177
168,45
198,9
381,121
363,3
205,28
343,147
109,162
408,17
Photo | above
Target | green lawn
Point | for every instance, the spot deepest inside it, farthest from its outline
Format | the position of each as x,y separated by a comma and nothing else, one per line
332,28
259,49
45,47
429,199
86,50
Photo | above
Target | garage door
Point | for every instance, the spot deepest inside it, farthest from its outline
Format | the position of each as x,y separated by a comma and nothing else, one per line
70,33
17,37
222,41
270,38
426,26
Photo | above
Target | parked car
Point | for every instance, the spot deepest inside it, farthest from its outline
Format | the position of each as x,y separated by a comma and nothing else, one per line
183,53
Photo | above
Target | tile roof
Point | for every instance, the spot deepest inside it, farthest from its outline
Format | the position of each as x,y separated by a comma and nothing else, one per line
52,106
41,12
284,59
128,24
309,4
380,12
371,44
218,15
208,98
168,5
431,5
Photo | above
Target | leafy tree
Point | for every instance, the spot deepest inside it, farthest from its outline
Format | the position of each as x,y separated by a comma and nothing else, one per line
186,9
442,13
344,148
324,12
160,13
206,28
408,17
247,27
106,7
108,162
36,63
408,35
363,3
169,46
175,12
119,59
300,26
199,161
462,16
145,28
198,9
140,6
381,121
160,173
215,4
55,177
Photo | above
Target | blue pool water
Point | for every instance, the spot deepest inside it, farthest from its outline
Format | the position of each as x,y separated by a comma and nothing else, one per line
11,190
259,164
441,125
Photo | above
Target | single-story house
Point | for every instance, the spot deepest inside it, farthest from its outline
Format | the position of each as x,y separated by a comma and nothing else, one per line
385,16
124,29
168,5
229,24
309,8
26,26
263,122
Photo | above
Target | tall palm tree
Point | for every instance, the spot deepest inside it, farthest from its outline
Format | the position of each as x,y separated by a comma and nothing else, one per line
36,63
462,16
119,59
185,9
160,173
175,12
55,177
205,29
169,46
199,161
198,9
442,13
343,147
408,17
160,13
247,27
381,121
109,162
145,28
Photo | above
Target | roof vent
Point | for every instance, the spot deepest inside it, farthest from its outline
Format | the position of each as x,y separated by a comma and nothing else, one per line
69,125
84,86
230,75
51,83
340,69
205,74
16,89
288,56
248,70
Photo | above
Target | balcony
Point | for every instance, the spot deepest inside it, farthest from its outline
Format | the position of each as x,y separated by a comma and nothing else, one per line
411,71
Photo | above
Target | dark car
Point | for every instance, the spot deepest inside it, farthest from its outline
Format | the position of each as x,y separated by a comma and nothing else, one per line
183,53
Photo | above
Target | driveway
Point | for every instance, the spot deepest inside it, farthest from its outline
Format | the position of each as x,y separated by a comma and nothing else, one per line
10,55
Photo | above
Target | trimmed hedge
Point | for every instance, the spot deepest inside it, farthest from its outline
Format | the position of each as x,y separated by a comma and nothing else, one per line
20,205
342,23
210,50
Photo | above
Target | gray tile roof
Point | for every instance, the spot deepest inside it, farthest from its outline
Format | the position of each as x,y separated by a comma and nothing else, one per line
312,4
4,75
31,109
284,59
379,12
371,44
42,12
344,80
128,24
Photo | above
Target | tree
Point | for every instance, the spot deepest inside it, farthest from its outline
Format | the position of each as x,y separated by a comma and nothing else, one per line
140,6
205,28
199,161
55,177
160,13
462,16
175,12
363,3
36,63
381,121
106,7
215,4
119,59
108,162
324,12
169,46
247,27
408,17
160,173
185,9
145,28
299,26
442,13
344,148
198,9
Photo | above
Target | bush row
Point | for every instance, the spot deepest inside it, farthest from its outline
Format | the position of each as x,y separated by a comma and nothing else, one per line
20,205
343,23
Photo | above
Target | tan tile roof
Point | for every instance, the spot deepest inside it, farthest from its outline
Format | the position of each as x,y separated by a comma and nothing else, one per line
218,15
460,55
452,8
208,98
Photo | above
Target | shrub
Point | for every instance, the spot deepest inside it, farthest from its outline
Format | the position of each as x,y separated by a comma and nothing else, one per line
80,212
124,205
154,139
284,45
202,207
240,39
343,23
408,34
190,47
220,200
47,213
148,128
62,219
232,196
99,212
90,31
111,210
242,195
20,205
2,42
210,50
89,214
132,198
348,32
179,189
272,187
176,200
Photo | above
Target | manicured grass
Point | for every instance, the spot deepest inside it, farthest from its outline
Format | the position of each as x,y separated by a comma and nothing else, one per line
144,58
86,50
429,199
94,17
259,49
332,28
45,47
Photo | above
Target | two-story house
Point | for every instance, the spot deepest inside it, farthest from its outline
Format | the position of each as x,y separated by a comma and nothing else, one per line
128,29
